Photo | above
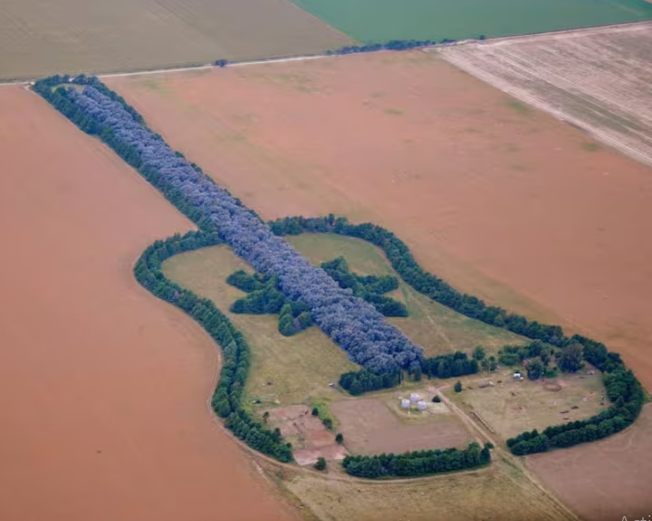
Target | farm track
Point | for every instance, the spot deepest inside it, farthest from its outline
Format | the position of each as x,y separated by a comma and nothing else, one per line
596,80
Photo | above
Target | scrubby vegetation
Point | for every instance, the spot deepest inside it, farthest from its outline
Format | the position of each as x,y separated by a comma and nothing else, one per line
418,463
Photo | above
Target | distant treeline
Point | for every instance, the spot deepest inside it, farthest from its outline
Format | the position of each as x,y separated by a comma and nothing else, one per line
227,397
392,45
623,389
418,463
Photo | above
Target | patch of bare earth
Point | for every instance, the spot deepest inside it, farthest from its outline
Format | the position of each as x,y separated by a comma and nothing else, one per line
309,438
598,80
503,201
604,480
103,388
370,427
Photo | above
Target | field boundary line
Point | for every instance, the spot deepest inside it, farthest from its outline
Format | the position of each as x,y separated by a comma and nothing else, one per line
308,57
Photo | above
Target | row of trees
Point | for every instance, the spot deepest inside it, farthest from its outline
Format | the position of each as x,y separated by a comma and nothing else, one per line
623,389
392,45
365,381
418,463
371,288
227,397
449,366
351,322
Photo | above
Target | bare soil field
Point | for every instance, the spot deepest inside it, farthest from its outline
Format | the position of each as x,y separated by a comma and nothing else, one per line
503,201
604,480
511,406
103,388
599,80
370,427
310,439
40,37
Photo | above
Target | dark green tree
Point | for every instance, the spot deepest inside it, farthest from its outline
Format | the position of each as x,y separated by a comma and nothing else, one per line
458,387
321,464
571,358
535,369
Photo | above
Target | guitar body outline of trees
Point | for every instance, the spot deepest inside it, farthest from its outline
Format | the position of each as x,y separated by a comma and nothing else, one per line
352,323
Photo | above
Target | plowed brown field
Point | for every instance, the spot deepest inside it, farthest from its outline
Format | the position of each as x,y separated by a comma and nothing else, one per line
605,480
503,201
102,387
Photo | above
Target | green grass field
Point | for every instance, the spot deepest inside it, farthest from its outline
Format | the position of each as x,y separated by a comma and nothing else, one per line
298,369
383,20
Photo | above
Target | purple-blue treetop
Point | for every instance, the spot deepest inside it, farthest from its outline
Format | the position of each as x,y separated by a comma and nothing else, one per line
351,322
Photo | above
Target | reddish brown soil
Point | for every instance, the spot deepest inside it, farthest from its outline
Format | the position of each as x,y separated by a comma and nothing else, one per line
605,480
102,387
505,202
308,435
369,427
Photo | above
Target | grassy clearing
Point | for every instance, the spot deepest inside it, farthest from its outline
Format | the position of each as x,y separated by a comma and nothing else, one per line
513,406
433,326
284,370
382,20
499,493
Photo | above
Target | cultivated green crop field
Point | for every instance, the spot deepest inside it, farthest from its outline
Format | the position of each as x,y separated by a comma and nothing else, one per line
382,20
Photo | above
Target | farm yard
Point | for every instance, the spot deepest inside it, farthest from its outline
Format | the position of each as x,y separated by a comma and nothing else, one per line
510,406
461,172
371,426
40,37
598,80
462,19
604,480
102,387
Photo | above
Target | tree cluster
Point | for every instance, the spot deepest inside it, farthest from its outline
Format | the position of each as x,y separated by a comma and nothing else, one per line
264,297
449,366
227,397
418,463
364,381
371,288
352,323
